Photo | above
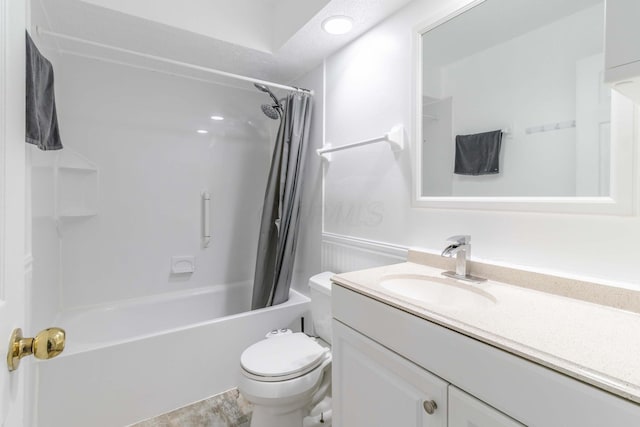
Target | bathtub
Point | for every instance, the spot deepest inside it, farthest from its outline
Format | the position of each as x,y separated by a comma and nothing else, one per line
145,357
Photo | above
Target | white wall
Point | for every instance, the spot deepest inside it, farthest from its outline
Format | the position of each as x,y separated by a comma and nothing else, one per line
368,90
139,128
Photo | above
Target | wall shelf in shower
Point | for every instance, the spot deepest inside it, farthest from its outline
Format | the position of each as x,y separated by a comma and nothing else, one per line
64,185
77,195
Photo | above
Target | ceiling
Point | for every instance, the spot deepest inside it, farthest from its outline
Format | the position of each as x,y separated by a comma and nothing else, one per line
262,25
277,40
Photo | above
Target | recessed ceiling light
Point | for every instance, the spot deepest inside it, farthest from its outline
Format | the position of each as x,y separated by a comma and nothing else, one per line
202,131
337,25
217,118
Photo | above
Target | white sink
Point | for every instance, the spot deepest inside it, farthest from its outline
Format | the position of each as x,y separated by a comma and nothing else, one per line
437,291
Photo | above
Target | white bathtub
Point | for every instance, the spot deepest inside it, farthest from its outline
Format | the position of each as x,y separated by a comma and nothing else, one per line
136,360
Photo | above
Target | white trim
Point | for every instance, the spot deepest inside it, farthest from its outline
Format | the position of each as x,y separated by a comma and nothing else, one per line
623,155
171,61
4,37
443,15
389,249
324,165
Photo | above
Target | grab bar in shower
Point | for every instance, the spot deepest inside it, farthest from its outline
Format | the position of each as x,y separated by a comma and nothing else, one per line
206,227
395,138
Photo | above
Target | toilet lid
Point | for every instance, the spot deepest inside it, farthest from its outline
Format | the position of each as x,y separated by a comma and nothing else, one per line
283,356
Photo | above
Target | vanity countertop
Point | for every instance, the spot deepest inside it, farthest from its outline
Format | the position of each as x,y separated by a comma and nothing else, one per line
595,343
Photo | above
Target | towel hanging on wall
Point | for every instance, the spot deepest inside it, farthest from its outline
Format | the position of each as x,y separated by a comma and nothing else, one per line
478,154
41,118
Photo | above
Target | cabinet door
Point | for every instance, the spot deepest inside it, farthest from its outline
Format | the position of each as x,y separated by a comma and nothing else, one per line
373,386
467,411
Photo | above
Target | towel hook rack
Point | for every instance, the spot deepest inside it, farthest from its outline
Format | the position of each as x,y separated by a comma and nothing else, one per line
395,138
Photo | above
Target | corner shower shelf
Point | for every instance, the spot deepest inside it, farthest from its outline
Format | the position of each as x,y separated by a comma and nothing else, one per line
65,185
395,138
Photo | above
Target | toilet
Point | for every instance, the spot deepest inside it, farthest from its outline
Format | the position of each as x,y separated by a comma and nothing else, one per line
286,375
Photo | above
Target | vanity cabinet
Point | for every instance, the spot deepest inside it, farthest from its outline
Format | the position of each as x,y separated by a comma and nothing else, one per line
373,386
622,50
387,362
465,410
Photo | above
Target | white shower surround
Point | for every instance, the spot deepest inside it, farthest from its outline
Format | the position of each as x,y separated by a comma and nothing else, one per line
127,362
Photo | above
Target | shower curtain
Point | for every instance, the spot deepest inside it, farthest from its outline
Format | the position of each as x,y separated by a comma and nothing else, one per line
281,210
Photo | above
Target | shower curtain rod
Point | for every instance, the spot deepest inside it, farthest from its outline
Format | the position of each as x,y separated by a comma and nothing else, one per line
173,62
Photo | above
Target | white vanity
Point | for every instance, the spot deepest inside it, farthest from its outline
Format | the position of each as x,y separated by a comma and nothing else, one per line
413,348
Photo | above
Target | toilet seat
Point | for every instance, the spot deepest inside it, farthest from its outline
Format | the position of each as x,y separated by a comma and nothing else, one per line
282,358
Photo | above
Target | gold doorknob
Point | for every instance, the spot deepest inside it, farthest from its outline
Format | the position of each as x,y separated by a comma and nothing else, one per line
46,345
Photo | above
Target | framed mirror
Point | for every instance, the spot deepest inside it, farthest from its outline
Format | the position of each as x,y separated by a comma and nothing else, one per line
512,112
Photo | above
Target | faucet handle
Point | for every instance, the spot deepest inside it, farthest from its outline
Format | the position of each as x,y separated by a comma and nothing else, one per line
463,239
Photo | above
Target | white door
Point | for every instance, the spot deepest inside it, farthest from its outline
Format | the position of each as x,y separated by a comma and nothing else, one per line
13,236
373,386
593,128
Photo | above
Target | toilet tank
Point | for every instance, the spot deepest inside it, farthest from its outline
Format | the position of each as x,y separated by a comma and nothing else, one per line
320,286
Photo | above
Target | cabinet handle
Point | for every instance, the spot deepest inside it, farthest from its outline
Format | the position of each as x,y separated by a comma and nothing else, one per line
430,406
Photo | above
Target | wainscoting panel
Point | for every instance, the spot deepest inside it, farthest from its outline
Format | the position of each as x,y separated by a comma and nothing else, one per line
343,253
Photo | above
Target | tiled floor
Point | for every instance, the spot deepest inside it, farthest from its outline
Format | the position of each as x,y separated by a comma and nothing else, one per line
228,409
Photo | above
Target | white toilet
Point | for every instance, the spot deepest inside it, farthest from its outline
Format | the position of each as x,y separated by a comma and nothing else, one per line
286,375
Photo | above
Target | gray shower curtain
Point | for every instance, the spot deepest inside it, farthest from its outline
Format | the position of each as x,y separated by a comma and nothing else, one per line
281,210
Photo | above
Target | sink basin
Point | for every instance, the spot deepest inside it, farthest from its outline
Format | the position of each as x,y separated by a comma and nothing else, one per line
437,291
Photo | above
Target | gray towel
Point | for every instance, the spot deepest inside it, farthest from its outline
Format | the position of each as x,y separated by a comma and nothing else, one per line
478,154
41,121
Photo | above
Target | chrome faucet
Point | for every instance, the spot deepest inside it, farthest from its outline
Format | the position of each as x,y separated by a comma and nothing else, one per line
461,248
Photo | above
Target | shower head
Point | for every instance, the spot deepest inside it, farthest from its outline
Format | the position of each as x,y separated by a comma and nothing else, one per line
262,88
266,90
271,111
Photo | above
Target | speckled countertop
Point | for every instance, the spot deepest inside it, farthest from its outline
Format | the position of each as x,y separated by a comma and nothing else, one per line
595,343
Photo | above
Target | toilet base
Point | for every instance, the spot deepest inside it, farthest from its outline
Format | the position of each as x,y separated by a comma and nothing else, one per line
287,416
286,403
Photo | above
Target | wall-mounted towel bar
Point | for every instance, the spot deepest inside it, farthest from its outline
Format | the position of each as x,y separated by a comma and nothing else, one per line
395,138
551,127
506,132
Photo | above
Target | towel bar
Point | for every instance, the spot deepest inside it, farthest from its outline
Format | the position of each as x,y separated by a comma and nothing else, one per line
395,138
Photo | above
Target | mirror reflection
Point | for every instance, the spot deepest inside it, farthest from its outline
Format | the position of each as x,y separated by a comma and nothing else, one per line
513,102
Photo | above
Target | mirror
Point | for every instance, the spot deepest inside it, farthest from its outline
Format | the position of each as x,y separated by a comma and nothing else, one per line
512,107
